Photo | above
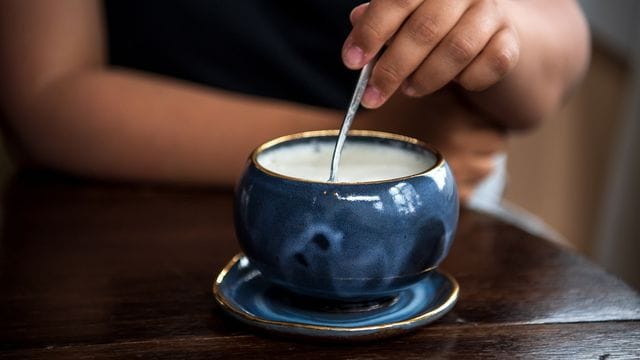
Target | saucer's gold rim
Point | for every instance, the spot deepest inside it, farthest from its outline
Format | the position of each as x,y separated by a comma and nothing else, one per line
440,310
358,133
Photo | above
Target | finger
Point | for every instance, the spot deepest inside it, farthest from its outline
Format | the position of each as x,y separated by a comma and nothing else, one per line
464,181
472,170
357,12
381,19
457,50
481,167
420,34
497,59
464,193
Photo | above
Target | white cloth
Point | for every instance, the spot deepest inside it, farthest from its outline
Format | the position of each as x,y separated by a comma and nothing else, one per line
488,198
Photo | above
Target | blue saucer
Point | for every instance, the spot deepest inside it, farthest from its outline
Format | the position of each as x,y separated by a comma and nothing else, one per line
242,291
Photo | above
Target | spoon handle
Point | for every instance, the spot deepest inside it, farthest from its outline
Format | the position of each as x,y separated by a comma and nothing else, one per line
348,119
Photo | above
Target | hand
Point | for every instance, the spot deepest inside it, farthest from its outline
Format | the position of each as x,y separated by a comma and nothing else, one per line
470,146
429,44
466,137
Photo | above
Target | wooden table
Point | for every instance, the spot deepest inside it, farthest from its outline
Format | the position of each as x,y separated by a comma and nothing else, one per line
117,271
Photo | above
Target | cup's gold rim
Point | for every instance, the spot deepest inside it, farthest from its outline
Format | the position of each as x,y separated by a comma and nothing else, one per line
440,310
357,133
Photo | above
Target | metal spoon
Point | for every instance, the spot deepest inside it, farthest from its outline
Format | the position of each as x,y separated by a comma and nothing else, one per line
348,119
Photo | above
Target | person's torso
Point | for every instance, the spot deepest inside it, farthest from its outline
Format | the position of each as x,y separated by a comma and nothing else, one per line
281,49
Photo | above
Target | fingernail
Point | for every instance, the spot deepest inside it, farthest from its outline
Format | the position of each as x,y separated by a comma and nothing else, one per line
354,56
372,97
409,90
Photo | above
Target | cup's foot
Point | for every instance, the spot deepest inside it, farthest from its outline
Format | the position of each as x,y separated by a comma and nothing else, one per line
310,303
242,292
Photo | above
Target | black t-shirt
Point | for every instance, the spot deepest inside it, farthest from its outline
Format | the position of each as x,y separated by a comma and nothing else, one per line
282,49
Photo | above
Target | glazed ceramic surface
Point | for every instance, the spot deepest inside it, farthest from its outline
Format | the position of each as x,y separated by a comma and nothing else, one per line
244,293
346,240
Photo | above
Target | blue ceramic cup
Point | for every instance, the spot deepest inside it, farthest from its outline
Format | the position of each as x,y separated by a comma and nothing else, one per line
353,240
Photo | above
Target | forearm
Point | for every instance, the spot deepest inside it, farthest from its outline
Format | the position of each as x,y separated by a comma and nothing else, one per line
554,55
128,125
